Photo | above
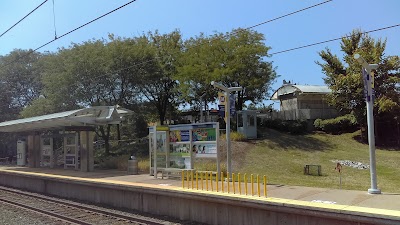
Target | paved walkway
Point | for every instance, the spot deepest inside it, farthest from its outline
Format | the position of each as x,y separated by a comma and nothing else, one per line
384,201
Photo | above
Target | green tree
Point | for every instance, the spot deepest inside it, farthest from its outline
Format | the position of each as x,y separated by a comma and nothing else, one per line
20,78
346,82
235,59
156,83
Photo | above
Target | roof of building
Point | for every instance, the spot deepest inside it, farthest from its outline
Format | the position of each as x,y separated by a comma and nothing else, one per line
293,88
97,115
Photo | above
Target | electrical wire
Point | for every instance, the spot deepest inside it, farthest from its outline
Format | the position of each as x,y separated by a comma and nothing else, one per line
225,36
23,18
69,32
73,30
335,39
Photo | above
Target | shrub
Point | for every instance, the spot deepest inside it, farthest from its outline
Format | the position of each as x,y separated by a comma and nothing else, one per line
116,162
291,126
235,136
341,124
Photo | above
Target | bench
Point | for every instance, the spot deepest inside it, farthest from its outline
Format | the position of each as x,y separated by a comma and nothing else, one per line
4,160
173,172
316,167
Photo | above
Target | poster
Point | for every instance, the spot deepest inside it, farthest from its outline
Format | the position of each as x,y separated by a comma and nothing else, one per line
179,149
161,141
204,134
205,150
179,136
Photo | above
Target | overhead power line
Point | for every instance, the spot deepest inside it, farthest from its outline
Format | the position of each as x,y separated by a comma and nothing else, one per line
23,18
335,39
73,30
69,32
230,34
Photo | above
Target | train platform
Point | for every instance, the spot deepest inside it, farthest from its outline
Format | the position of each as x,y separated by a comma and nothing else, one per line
384,201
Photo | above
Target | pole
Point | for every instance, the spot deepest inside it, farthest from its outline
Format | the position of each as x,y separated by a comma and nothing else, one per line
228,133
368,77
371,137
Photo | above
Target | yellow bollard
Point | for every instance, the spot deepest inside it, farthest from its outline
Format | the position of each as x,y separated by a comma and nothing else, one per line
245,183
192,179
239,185
265,186
206,177
216,180
201,180
183,179
233,183
197,180
187,179
222,181
258,185
212,189
227,180
252,181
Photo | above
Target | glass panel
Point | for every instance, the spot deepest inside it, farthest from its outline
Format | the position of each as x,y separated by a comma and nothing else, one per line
240,120
46,141
70,140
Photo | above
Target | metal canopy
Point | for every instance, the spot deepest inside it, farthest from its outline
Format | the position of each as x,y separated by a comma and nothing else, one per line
98,115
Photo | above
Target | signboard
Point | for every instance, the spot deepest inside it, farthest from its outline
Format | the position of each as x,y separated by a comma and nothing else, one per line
222,104
368,85
204,134
179,136
205,150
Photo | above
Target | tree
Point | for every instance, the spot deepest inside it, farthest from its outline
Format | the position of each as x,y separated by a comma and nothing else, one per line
20,80
157,83
346,82
235,59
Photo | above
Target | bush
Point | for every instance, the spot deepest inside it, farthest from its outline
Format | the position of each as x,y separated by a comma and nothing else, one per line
235,136
116,162
291,126
338,125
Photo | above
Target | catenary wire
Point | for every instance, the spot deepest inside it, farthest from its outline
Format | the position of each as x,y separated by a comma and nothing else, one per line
335,39
224,36
232,33
69,32
23,18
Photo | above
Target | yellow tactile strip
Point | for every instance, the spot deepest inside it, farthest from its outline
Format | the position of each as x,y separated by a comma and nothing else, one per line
346,209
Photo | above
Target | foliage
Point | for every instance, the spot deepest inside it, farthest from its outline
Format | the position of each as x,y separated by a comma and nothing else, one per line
234,59
235,136
338,125
290,126
345,80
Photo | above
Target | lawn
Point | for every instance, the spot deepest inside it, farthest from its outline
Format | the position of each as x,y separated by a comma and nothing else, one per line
282,158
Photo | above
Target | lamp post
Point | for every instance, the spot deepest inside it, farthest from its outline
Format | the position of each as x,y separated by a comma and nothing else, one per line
369,79
228,122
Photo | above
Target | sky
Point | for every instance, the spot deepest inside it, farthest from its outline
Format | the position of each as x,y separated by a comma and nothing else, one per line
327,21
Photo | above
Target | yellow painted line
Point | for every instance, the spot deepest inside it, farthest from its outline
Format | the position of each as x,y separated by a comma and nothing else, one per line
374,211
285,202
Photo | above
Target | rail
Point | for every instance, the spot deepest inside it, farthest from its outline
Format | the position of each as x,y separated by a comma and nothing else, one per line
255,185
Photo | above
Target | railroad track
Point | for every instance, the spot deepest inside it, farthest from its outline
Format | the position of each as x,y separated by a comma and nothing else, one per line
67,212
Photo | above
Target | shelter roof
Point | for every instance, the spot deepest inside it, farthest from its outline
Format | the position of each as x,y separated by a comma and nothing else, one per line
293,88
98,115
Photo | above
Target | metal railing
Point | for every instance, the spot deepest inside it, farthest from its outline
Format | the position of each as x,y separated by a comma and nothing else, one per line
254,185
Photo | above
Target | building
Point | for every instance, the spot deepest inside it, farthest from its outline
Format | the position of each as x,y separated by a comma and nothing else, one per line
304,102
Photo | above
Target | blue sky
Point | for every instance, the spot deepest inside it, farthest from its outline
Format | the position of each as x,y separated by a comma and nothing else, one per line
328,21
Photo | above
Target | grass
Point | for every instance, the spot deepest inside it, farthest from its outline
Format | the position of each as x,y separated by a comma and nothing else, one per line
282,158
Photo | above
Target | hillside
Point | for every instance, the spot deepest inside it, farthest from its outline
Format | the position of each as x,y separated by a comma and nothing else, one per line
282,158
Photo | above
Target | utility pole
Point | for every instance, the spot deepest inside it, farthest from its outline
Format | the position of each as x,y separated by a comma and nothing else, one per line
368,77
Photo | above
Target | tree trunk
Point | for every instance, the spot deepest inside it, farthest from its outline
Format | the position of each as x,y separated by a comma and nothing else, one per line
118,133
105,135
